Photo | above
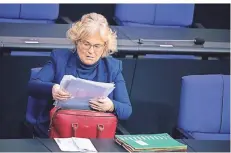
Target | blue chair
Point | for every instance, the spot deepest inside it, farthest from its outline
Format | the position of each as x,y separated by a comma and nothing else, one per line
169,15
37,109
205,107
29,13
156,15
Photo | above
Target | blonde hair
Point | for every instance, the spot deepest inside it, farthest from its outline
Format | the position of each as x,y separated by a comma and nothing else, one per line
88,24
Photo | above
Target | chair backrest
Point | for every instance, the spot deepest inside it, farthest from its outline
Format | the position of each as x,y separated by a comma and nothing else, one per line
29,13
36,107
155,14
174,14
14,12
204,105
39,11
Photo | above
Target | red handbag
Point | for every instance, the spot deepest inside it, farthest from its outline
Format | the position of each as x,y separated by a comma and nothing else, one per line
81,123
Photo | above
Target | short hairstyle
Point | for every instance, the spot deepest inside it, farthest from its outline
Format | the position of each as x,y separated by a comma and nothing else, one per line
90,23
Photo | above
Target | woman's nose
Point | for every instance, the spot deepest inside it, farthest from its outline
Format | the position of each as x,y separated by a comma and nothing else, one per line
91,50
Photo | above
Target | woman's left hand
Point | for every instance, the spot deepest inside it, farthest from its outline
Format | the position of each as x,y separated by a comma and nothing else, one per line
102,104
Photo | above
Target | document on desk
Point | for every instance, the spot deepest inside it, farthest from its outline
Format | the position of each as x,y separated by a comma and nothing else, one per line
75,144
83,90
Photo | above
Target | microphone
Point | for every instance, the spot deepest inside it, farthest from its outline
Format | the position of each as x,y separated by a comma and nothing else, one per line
196,41
199,41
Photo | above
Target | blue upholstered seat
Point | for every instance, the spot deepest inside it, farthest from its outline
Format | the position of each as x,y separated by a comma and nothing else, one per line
205,107
173,15
29,13
36,111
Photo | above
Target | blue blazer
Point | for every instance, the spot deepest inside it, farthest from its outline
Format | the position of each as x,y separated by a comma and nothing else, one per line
63,62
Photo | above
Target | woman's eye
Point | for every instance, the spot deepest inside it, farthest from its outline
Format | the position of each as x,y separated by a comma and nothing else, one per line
97,46
86,44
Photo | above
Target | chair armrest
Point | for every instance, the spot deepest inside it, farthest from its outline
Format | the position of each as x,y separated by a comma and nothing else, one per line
122,130
183,133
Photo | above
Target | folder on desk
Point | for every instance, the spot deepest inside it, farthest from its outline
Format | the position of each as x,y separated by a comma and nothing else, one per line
150,142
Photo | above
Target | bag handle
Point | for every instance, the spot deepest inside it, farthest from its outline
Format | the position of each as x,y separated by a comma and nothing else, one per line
74,129
52,118
100,128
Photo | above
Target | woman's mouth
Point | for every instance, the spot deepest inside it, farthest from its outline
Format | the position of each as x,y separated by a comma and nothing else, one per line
89,57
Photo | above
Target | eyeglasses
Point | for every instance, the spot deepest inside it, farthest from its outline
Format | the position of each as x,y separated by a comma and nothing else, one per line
86,45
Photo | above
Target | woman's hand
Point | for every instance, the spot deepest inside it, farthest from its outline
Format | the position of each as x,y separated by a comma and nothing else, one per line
102,104
59,94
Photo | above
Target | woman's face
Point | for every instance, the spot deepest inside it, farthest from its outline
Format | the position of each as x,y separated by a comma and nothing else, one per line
90,50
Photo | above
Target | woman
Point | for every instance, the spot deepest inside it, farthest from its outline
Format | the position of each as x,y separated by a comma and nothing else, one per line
94,41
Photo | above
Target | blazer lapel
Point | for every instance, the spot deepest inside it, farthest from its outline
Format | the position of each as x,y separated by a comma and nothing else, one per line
102,72
71,65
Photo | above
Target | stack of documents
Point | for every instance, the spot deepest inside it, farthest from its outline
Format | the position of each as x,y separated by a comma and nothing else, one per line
150,143
75,144
82,91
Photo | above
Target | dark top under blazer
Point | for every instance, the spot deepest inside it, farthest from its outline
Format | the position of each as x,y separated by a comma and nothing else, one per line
63,62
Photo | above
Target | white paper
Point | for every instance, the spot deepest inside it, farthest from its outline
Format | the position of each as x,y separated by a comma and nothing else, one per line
84,144
83,90
75,144
66,144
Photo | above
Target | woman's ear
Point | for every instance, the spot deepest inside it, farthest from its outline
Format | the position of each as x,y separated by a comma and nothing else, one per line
77,46
105,53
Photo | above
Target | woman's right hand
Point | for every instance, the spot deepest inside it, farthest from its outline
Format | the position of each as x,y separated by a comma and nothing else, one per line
59,94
